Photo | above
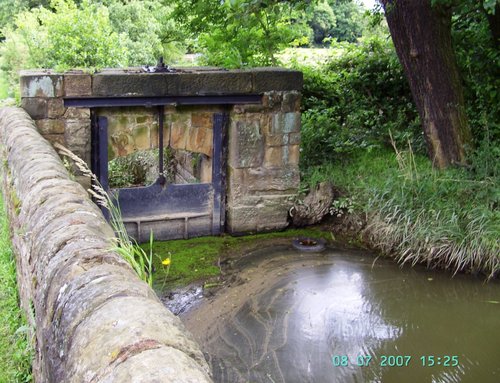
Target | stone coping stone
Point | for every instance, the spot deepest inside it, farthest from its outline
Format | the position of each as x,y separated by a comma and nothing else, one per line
186,81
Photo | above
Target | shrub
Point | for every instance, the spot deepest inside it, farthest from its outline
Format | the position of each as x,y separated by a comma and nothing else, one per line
354,102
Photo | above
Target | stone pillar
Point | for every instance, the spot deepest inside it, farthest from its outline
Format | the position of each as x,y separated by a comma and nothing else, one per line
263,163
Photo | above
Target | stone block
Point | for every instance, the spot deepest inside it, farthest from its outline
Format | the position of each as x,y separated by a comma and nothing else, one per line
249,181
130,84
286,123
276,79
277,139
211,83
179,130
246,143
77,137
49,126
293,152
294,138
202,120
248,108
140,136
200,140
36,107
77,84
250,219
41,84
56,108
291,102
73,113
272,101
275,156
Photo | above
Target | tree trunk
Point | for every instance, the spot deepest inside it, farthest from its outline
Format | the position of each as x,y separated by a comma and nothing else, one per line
422,36
494,23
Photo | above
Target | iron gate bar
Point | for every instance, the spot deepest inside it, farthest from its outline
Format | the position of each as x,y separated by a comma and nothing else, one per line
101,102
220,121
161,176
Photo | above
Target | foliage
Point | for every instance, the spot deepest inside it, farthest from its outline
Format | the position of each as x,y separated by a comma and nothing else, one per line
15,349
479,60
322,21
140,168
89,34
354,102
351,23
147,30
239,33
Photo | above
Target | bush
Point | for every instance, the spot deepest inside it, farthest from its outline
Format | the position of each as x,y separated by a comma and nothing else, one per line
355,102
90,35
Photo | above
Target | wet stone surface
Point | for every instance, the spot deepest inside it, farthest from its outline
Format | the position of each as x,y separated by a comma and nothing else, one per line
345,316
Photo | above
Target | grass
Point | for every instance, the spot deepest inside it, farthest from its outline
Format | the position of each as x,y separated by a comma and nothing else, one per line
4,87
198,258
15,352
448,219
139,259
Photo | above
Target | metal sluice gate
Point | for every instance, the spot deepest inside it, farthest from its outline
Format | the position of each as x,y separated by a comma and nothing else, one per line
171,211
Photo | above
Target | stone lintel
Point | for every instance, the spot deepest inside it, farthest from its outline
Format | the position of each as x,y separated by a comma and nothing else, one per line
133,82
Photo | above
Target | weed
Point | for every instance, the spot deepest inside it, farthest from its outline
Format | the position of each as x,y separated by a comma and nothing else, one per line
125,246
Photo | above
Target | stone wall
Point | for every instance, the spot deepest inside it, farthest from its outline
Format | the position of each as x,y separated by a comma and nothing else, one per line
94,320
263,139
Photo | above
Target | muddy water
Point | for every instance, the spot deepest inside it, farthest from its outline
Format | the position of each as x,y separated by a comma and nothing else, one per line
340,316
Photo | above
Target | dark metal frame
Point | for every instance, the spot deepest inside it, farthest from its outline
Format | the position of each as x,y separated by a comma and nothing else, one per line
169,199
106,102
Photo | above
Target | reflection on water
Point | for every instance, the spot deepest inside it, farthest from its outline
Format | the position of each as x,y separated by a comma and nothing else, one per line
341,317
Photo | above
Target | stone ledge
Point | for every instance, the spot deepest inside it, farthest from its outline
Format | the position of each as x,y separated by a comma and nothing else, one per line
132,82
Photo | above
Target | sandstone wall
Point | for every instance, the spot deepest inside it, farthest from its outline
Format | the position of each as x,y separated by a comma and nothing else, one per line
263,139
94,320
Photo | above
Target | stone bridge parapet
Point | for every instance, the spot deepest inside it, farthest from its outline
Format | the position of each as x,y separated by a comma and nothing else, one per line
94,320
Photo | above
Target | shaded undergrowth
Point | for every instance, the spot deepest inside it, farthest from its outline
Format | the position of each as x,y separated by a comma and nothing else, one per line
448,219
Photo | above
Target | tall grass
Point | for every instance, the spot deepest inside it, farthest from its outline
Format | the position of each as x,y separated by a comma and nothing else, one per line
140,260
447,219
4,88
15,347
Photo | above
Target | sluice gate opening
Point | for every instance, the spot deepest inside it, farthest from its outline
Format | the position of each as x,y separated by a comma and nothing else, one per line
234,136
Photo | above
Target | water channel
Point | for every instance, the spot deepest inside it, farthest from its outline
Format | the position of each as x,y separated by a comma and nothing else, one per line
346,316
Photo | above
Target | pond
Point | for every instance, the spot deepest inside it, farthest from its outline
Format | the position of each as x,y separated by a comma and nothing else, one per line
346,316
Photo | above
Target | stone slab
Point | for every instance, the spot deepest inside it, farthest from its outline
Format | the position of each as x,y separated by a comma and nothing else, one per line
77,84
276,79
39,83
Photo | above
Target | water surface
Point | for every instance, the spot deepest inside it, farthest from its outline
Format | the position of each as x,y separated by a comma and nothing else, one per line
345,316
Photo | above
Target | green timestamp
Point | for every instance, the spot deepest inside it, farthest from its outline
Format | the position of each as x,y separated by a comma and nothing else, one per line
444,360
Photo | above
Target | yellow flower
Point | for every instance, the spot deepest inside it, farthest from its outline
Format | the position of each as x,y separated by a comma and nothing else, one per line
166,262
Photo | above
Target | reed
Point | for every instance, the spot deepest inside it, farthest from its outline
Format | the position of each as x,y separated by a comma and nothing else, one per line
139,259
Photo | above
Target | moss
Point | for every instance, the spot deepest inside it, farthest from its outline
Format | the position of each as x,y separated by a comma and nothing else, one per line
199,258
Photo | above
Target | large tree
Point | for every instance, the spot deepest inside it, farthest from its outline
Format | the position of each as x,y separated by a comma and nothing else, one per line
421,32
